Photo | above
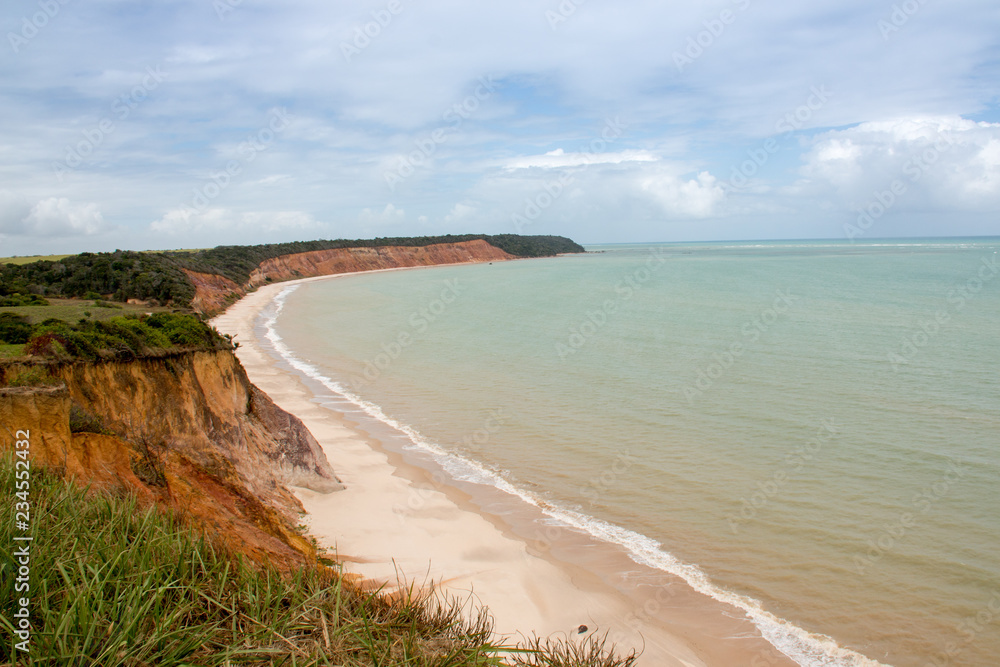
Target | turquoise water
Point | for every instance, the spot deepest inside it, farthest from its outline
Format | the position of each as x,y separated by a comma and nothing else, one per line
812,425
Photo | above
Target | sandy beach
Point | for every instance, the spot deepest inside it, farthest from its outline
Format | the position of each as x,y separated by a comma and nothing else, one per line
397,521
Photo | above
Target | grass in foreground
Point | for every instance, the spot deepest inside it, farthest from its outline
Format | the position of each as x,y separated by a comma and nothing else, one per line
113,584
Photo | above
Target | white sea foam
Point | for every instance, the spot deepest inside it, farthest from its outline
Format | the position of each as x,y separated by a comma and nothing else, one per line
806,648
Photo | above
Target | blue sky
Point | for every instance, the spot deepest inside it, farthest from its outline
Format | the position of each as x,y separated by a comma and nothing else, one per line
180,124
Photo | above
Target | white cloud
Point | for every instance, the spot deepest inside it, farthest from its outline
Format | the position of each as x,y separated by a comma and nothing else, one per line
389,214
54,216
947,162
276,221
679,198
560,159
357,120
14,208
594,198
189,220
271,180
459,212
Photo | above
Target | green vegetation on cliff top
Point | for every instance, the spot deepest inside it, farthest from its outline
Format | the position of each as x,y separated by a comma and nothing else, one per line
119,275
113,583
158,276
120,337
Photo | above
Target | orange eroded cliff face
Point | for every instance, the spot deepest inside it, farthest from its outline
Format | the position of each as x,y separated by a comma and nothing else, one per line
347,260
213,293
188,431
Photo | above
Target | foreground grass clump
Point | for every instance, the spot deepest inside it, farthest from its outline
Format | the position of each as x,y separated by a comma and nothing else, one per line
115,584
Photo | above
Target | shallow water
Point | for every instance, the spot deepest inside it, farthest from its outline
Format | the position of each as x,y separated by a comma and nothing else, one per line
811,426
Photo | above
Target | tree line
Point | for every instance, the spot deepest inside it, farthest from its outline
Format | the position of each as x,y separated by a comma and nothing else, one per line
158,276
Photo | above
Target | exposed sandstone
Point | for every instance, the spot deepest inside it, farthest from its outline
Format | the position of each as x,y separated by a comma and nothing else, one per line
189,431
213,292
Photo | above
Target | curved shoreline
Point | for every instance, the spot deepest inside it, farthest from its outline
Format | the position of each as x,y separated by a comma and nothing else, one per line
403,517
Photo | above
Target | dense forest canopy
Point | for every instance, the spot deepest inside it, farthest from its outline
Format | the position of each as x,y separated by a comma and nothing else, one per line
120,275
123,275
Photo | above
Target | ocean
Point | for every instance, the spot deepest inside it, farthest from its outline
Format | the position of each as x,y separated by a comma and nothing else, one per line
805,429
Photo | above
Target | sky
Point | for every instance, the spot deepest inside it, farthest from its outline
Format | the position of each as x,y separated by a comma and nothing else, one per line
193,123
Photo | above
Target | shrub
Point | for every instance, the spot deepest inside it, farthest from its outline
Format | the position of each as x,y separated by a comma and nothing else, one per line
14,329
136,332
54,322
184,330
81,345
18,299
47,344
122,337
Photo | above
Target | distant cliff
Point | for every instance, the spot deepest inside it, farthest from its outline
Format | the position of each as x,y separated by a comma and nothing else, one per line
214,292
170,278
188,431
345,260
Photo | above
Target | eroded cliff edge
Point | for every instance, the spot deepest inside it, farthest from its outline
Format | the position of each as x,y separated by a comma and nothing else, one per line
186,430
213,293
